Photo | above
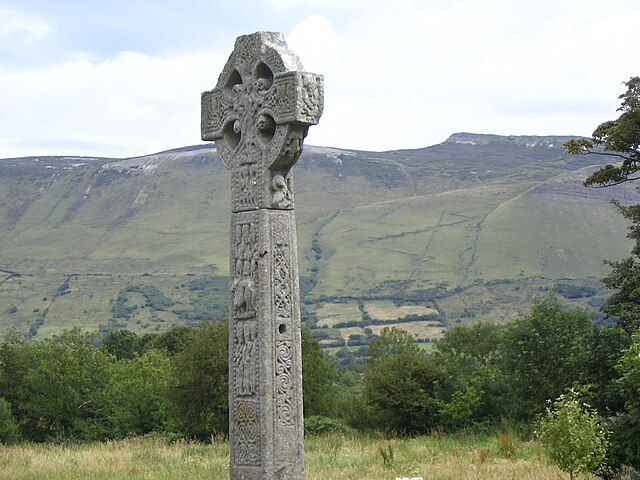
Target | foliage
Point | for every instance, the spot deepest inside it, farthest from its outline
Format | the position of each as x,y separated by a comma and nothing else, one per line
619,138
574,291
137,394
624,279
154,298
572,435
200,390
606,345
544,353
321,425
62,395
9,432
319,379
471,358
629,368
400,383
171,342
120,343
624,448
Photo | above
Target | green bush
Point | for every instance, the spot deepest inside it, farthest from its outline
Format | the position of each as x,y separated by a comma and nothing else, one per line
624,448
320,425
9,432
572,435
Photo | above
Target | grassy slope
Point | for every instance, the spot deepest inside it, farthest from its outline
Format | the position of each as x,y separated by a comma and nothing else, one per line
465,218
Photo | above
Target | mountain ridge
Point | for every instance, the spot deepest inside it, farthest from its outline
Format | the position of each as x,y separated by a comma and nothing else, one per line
470,228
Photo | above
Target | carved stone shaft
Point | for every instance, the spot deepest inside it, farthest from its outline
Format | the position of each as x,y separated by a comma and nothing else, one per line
258,114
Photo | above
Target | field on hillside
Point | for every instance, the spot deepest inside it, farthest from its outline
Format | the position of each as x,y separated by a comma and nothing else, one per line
467,230
333,457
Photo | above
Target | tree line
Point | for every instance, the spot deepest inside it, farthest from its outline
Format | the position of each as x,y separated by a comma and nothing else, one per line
76,387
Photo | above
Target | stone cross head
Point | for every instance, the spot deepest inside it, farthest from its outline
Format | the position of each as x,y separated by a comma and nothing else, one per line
258,114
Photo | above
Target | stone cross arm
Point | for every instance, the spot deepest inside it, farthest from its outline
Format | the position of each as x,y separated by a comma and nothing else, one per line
262,104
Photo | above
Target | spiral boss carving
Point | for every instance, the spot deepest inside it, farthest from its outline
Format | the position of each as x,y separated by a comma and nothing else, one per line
258,114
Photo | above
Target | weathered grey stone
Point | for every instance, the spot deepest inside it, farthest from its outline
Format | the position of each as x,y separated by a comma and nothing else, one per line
258,114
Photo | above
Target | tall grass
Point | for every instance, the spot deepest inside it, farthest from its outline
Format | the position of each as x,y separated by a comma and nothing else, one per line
333,457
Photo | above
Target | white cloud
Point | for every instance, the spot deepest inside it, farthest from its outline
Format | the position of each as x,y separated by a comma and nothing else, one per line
316,43
127,105
21,25
397,74
410,78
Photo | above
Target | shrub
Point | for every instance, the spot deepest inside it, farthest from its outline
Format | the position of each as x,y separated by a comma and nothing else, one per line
624,449
9,432
320,425
572,436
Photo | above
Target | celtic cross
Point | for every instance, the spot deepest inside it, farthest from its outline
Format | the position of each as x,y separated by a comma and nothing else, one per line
258,114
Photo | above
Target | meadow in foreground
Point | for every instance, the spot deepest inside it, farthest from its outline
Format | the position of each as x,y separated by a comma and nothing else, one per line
332,457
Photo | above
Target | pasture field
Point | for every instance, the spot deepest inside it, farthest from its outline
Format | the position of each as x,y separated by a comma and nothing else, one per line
420,330
387,310
332,457
330,314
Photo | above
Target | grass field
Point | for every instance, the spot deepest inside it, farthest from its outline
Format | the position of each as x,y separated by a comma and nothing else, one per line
333,457
330,314
422,329
387,310
373,228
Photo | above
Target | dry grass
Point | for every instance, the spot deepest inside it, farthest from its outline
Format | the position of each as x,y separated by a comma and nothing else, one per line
334,457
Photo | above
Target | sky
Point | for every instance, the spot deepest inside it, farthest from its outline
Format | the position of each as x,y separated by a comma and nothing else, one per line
123,78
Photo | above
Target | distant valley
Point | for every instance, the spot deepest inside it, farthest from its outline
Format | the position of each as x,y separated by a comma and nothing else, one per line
468,229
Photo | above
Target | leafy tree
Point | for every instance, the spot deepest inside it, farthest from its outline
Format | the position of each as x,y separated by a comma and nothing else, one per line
120,343
400,383
572,435
618,138
62,394
471,357
624,279
15,360
544,354
625,449
9,432
471,346
629,367
137,393
319,378
172,341
200,388
606,345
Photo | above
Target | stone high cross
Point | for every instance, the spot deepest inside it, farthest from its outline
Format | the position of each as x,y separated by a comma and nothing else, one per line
258,114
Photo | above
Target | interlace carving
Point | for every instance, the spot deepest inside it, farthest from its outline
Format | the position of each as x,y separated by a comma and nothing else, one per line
247,446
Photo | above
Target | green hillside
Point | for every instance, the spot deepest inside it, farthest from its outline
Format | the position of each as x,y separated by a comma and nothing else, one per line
468,229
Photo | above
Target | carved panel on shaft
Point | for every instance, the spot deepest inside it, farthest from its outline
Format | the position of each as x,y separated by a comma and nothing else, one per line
281,281
284,383
247,439
246,357
244,269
